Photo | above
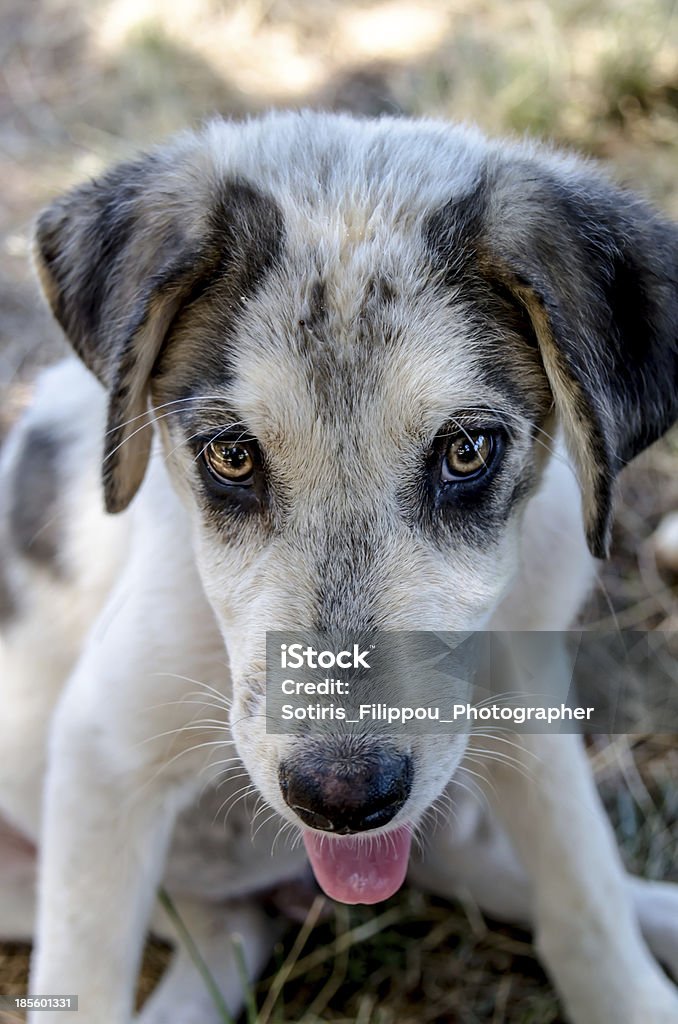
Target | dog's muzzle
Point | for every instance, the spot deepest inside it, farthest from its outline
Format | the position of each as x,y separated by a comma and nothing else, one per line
346,797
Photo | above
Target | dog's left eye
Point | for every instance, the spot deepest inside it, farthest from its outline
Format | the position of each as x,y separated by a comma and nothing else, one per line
469,455
229,462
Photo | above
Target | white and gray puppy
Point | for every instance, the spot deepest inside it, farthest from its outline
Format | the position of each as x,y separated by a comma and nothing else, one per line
338,358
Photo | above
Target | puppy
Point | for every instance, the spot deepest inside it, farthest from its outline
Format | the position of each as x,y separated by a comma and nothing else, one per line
345,375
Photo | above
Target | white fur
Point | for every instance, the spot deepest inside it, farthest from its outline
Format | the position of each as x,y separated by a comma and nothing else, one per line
120,793
114,689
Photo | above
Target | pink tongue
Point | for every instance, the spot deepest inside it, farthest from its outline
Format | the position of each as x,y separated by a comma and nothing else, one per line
359,869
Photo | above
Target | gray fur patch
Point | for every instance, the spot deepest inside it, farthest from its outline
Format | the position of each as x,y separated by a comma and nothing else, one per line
245,241
317,307
8,607
34,507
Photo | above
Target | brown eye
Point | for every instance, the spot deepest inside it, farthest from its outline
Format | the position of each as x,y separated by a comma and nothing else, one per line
230,462
468,455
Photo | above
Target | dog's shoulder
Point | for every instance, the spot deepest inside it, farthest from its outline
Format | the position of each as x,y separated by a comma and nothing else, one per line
53,530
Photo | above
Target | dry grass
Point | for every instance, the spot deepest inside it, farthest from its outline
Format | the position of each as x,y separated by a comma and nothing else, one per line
84,82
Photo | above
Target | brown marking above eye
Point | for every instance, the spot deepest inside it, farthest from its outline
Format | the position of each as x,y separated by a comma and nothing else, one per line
468,454
230,461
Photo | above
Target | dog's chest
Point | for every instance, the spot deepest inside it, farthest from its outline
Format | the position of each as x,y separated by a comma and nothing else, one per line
221,851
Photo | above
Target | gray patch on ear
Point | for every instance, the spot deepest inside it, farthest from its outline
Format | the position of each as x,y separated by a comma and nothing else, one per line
84,251
595,269
34,507
211,275
244,243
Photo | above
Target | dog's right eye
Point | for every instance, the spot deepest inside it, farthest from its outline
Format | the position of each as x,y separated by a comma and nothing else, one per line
468,456
230,462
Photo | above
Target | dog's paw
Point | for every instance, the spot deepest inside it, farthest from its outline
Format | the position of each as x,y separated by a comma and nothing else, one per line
657,909
657,1004
651,999
185,1011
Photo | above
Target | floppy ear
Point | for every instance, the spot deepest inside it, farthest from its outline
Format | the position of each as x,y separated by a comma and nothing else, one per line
119,257
597,271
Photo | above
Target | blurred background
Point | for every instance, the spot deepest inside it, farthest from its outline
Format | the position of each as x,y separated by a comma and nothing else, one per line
85,82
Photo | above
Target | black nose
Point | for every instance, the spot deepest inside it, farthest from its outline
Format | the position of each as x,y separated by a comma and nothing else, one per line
344,796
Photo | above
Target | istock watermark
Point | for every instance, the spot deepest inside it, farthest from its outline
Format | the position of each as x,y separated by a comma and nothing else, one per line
432,682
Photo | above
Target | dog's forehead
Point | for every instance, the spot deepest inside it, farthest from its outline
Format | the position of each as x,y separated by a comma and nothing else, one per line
361,339
367,172
348,322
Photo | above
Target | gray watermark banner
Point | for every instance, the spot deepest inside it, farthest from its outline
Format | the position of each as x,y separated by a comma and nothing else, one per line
435,682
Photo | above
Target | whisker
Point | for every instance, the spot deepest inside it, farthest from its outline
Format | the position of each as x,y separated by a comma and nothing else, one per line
476,793
217,436
189,727
200,433
152,410
285,827
272,815
491,734
238,797
150,422
189,679
181,753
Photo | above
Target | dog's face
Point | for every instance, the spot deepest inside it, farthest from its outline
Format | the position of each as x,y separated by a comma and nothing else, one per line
358,340
356,446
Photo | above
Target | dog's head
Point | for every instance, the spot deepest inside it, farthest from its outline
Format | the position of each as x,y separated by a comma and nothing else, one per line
357,341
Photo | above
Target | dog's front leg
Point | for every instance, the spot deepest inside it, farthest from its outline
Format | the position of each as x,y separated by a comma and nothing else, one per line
586,930
125,753
106,831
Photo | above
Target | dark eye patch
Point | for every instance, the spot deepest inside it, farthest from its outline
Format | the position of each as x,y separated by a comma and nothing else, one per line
472,511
